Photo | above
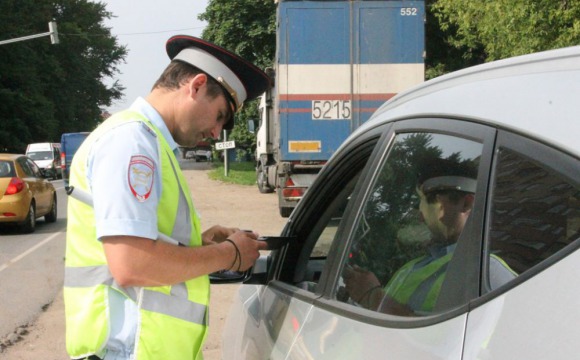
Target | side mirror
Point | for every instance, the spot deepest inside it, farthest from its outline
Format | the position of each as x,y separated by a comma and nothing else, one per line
254,275
229,277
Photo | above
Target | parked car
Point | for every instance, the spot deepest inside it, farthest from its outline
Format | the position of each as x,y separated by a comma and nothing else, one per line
25,193
70,142
203,153
200,152
509,284
47,157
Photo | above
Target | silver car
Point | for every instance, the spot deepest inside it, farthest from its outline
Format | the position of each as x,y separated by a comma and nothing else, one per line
446,227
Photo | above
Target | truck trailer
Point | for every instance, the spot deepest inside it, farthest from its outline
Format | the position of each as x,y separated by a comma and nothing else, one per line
336,62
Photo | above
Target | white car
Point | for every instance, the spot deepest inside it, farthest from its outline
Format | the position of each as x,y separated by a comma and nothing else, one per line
505,285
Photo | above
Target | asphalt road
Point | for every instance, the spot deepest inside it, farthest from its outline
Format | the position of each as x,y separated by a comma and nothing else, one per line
31,267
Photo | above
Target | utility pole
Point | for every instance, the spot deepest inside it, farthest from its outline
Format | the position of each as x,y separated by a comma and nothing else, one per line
52,32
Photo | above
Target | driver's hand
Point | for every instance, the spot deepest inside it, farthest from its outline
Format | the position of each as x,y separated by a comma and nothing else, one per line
358,282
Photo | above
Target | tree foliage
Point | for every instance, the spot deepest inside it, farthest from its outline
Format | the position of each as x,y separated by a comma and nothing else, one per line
504,28
45,89
247,28
442,57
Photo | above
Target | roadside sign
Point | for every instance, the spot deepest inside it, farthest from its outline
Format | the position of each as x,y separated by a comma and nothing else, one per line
225,145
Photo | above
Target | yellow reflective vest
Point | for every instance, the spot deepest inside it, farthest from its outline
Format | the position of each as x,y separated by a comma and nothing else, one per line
172,320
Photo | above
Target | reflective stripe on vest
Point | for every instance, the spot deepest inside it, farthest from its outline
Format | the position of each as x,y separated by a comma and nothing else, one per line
175,305
418,287
181,229
172,319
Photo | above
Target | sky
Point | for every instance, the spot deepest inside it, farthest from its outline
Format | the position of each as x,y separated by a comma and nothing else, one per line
144,26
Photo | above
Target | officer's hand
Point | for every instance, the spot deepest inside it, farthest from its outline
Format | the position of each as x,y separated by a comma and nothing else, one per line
249,249
216,234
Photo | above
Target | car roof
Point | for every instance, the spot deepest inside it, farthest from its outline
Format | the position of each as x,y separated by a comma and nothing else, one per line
536,95
7,156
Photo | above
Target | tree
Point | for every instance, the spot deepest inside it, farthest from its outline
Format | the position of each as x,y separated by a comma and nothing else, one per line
505,28
47,89
247,28
442,57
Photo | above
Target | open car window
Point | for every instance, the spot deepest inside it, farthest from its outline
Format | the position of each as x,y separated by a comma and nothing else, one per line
318,221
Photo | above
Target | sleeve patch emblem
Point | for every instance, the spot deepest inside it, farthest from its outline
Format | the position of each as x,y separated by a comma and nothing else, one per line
140,176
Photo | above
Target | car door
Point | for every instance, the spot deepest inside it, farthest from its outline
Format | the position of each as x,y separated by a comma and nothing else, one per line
534,226
38,185
378,229
273,315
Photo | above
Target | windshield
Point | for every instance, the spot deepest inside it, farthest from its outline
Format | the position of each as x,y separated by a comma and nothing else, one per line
40,155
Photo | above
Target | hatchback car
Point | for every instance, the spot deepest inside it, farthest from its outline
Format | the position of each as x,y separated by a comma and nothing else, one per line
446,227
24,193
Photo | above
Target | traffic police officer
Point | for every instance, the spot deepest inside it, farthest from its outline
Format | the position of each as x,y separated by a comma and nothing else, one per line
128,295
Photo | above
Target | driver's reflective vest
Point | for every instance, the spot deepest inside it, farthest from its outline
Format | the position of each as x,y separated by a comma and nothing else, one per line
418,285
172,320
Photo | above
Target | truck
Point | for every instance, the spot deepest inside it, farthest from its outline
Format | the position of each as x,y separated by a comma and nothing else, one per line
69,144
336,62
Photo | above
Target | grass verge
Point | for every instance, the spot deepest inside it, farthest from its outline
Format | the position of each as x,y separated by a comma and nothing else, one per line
241,173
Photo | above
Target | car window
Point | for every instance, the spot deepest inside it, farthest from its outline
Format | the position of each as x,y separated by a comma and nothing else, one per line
535,209
40,155
28,171
6,169
412,217
317,224
324,234
30,168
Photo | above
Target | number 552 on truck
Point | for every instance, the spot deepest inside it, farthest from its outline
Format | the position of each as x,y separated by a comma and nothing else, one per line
336,62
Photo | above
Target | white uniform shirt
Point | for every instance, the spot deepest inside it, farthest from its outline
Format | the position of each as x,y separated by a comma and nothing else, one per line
118,210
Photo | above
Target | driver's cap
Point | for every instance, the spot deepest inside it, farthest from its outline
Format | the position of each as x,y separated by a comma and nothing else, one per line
458,183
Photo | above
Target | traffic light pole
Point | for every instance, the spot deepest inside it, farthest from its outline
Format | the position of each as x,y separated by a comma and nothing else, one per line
53,33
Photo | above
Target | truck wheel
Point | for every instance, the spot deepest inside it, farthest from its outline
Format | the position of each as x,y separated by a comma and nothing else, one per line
262,180
286,211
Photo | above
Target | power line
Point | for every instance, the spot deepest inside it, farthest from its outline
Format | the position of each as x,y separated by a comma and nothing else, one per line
159,32
136,34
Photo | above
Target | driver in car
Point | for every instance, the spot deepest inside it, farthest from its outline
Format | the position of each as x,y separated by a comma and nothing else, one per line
446,190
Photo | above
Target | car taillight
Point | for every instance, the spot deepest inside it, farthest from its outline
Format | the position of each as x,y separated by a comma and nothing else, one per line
290,191
62,160
15,186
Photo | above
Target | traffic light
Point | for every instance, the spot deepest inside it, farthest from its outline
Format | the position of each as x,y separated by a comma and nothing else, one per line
53,32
